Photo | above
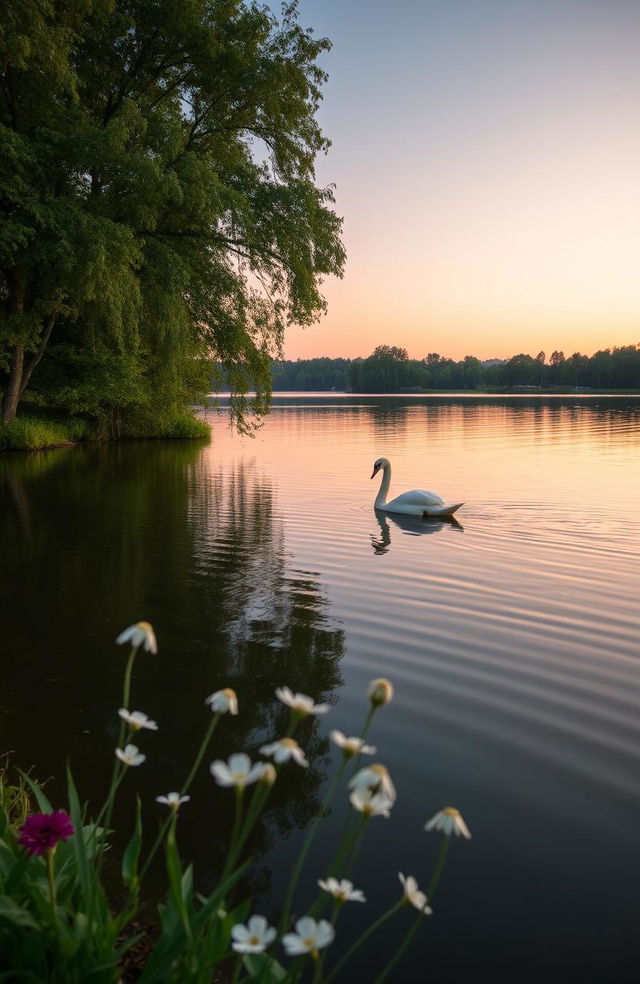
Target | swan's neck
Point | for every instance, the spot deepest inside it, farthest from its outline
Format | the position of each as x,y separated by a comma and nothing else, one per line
381,497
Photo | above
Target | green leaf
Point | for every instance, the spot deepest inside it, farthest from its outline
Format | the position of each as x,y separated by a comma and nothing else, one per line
175,875
256,964
131,854
78,841
16,873
14,913
211,905
41,799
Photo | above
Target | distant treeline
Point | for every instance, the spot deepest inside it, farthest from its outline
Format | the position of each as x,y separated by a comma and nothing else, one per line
389,369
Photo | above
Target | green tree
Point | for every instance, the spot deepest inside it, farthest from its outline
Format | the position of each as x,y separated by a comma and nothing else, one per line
521,370
158,198
385,370
471,372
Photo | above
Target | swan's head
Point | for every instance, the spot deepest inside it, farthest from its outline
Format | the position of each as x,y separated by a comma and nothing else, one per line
377,465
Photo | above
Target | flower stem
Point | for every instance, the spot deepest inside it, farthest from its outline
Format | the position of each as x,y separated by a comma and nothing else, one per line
365,936
237,968
107,809
355,762
318,969
126,696
403,946
200,753
355,845
235,833
365,731
48,854
337,908
126,691
437,871
347,850
187,784
433,884
297,869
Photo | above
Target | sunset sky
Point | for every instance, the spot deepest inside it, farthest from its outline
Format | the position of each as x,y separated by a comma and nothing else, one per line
486,155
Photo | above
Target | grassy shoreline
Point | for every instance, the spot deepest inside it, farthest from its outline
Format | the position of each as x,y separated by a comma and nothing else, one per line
39,430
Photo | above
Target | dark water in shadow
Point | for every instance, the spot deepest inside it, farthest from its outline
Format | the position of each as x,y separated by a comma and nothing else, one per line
511,637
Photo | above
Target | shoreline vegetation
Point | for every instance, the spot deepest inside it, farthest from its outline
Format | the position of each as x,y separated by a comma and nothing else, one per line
161,211
58,921
40,429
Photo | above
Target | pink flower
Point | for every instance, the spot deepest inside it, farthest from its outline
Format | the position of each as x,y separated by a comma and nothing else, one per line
42,831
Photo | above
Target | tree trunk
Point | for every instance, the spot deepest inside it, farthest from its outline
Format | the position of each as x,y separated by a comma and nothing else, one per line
26,375
19,373
12,392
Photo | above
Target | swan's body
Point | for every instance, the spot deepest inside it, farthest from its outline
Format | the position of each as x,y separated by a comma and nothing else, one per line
418,502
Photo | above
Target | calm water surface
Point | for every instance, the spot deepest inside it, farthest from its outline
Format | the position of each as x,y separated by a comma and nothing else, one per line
512,641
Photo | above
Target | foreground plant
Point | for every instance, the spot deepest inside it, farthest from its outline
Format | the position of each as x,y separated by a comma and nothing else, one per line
62,928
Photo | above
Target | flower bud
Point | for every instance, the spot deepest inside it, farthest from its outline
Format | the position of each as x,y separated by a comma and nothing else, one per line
269,774
380,692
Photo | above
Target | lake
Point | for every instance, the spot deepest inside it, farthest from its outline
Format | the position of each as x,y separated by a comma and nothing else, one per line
511,639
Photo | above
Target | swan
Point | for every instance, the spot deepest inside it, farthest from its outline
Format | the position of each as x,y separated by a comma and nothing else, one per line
414,503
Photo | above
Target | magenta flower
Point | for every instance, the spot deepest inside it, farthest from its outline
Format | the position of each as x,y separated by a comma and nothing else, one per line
42,831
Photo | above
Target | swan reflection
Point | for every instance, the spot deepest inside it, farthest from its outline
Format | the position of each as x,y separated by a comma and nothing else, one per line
409,525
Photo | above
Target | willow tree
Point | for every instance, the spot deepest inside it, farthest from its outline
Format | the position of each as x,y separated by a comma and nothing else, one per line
160,212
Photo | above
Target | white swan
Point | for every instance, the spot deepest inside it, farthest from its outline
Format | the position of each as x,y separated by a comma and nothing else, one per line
414,503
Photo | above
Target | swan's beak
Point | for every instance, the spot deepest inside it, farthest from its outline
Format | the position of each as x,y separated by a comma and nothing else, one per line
374,473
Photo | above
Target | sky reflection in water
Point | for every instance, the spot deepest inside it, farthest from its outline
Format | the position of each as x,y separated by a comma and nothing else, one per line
511,638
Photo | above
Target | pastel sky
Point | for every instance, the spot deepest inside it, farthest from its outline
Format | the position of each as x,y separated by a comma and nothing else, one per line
486,155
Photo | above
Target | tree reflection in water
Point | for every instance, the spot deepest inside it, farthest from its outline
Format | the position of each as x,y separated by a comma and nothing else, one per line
104,536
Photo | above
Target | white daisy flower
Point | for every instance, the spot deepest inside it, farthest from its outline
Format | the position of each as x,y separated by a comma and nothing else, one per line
380,692
342,890
351,746
130,755
140,634
174,800
413,895
137,720
376,778
285,749
300,703
239,771
310,936
223,701
377,805
255,937
449,821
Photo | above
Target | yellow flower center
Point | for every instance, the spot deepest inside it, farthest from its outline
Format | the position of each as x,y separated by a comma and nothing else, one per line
254,940
289,742
451,811
380,770
145,626
310,942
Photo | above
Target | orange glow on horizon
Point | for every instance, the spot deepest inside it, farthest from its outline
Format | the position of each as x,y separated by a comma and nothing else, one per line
490,187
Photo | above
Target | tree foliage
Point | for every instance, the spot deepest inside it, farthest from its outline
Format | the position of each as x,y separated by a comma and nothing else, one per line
389,369
158,199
